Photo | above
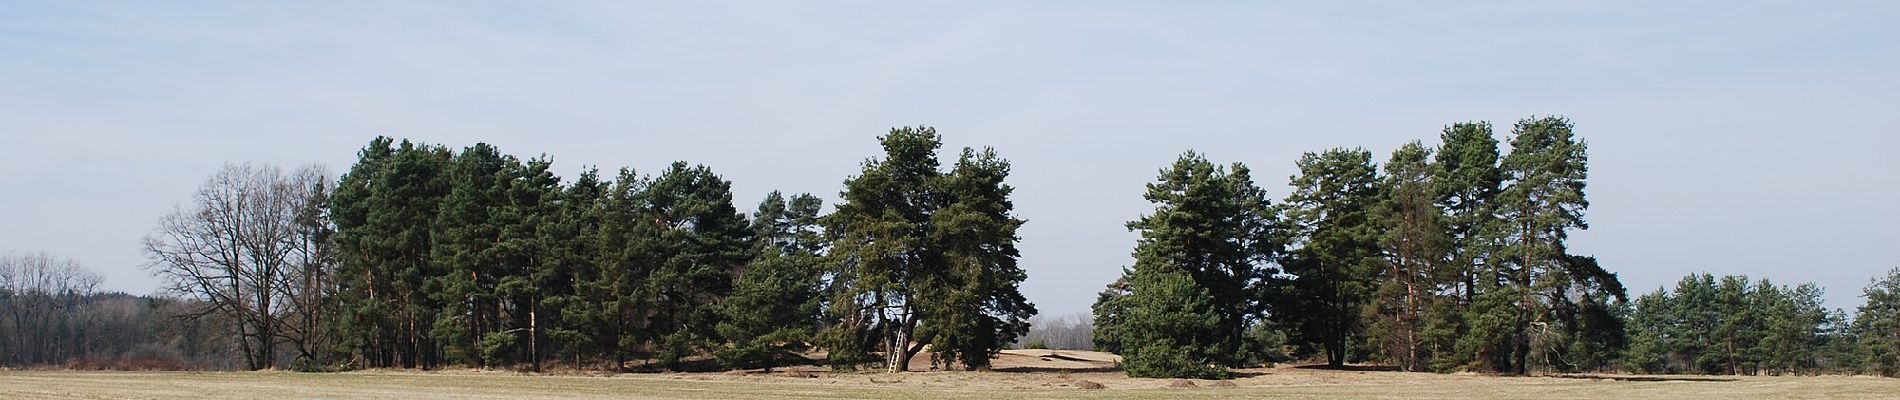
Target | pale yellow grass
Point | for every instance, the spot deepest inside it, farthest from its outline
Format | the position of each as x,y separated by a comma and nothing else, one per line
1275,383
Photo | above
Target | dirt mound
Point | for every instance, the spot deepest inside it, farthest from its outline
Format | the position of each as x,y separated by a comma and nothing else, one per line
123,364
1089,385
1054,361
1181,384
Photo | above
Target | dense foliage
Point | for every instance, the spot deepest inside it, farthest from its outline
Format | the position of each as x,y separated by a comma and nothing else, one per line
925,259
420,256
1445,258
1200,274
1734,325
1451,258
474,257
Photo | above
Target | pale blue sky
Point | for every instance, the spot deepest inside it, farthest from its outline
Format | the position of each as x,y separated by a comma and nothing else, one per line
1731,137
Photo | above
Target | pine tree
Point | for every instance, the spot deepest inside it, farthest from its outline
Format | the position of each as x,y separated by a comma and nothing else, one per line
1877,325
880,256
979,309
1492,322
1841,351
1729,325
467,229
1791,323
1542,203
618,285
569,309
1211,234
1648,351
1466,180
1591,313
1109,310
698,240
1737,325
528,256
366,317
1173,329
1800,328
1695,308
924,259
773,310
1415,245
1444,324
384,208
1338,248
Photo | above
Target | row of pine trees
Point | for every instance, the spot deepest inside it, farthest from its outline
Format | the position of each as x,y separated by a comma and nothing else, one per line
1450,257
1734,325
478,258
1443,258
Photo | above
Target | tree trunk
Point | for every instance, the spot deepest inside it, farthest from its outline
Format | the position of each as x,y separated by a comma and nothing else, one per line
534,347
917,345
267,356
1410,322
910,345
244,345
1522,347
1336,353
1729,345
474,323
415,343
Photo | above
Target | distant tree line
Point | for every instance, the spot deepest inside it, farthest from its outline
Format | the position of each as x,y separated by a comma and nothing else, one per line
43,297
1449,258
1070,332
1732,325
51,314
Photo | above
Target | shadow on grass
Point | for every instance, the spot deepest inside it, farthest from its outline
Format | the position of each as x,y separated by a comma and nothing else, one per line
707,364
1060,356
1237,374
1625,378
1362,368
1647,378
1055,369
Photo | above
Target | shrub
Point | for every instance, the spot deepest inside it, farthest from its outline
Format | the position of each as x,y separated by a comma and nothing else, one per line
1164,360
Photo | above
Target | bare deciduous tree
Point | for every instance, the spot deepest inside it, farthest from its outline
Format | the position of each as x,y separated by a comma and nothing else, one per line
252,246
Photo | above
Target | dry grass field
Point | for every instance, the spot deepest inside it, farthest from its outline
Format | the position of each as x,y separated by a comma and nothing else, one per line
1027,375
